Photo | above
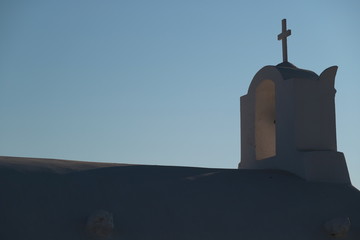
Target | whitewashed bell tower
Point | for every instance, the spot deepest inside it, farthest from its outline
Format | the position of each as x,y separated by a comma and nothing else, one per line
288,122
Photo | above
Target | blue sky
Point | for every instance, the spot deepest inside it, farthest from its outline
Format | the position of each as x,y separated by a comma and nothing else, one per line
158,82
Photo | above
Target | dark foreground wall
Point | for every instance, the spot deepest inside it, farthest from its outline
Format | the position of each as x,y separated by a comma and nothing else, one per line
42,199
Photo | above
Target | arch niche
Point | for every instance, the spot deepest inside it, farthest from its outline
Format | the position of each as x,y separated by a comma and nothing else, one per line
265,121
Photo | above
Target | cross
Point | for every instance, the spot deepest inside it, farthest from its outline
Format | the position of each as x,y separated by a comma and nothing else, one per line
282,36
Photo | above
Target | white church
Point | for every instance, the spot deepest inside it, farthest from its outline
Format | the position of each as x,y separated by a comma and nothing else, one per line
291,182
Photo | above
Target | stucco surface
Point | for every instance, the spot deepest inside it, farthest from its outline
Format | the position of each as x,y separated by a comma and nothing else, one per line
53,199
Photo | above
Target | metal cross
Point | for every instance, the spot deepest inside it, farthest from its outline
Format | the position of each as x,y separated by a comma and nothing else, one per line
282,36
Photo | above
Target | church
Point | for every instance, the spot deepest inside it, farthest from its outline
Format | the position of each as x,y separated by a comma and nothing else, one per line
291,182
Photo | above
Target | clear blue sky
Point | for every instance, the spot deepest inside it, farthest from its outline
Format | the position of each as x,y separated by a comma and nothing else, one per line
158,82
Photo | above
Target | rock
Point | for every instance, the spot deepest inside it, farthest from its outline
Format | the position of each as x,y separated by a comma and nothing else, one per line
100,224
338,227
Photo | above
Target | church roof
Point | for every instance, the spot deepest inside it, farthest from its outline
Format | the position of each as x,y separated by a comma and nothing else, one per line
289,70
53,199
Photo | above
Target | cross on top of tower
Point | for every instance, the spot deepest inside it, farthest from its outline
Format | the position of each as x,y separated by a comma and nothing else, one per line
283,36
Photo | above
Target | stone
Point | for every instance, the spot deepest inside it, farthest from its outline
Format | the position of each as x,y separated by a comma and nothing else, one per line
100,224
338,227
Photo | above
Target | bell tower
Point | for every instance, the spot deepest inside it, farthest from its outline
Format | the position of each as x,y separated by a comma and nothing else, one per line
288,122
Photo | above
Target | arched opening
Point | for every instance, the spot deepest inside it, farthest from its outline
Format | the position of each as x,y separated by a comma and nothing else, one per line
265,122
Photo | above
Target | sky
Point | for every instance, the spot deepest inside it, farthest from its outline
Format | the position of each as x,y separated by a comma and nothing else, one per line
158,82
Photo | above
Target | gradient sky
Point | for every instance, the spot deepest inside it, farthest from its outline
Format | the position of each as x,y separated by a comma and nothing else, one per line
158,82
